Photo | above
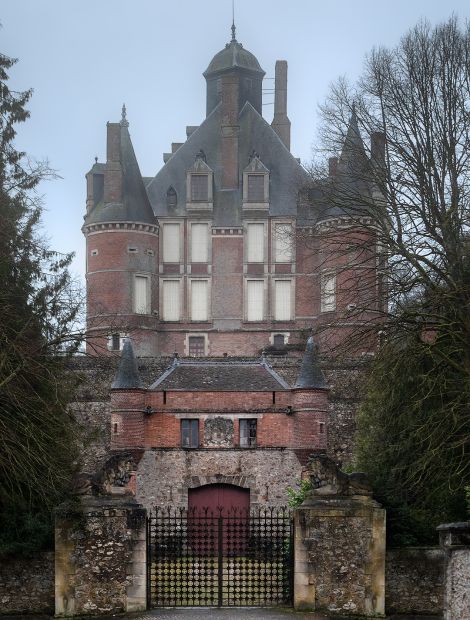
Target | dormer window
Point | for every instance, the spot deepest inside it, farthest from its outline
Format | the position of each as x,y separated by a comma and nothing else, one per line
255,188
256,185
171,198
199,180
199,187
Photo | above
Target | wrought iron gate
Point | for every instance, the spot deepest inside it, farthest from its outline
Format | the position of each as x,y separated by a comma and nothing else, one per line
219,558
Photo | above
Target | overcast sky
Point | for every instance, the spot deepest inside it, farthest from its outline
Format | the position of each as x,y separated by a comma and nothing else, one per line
84,58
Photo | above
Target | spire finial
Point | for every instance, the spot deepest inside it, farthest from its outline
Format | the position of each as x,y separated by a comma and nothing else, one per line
233,21
124,121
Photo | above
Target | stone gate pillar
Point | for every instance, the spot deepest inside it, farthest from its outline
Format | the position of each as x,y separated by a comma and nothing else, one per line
339,546
454,538
100,551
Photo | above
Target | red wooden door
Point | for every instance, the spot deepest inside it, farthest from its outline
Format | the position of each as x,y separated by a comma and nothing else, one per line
219,512
214,496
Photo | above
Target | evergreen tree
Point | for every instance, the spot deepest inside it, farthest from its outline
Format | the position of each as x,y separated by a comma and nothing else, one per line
37,309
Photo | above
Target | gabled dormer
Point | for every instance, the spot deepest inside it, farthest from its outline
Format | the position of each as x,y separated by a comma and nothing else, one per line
255,185
199,185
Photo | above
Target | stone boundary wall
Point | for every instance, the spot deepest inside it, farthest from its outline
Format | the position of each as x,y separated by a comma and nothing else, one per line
414,581
27,584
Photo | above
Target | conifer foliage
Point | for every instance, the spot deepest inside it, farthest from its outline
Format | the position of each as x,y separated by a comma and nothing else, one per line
37,310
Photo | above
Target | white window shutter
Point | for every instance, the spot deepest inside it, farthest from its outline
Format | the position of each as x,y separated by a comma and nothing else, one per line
255,300
171,243
282,300
199,300
199,243
283,243
328,292
141,298
171,300
255,242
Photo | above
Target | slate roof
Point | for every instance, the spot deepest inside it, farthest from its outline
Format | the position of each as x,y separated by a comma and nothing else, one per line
127,376
135,205
220,376
233,55
287,176
310,374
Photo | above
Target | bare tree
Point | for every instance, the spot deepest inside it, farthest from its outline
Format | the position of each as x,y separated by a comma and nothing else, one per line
410,186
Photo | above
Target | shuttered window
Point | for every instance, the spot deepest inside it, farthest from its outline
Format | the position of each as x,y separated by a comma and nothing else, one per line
199,187
199,300
282,300
283,243
255,243
255,300
171,243
171,300
199,243
141,296
255,188
328,292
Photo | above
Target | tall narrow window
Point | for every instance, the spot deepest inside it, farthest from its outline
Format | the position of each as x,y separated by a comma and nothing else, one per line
282,300
114,342
283,243
248,433
199,187
199,309
199,243
255,300
171,243
328,292
255,243
189,433
255,187
171,300
141,295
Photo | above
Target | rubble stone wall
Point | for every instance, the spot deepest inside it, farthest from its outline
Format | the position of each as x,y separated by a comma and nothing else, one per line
100,559
164,476
27,585
414,581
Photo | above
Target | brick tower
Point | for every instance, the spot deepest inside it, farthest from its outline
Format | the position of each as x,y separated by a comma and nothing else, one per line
122,248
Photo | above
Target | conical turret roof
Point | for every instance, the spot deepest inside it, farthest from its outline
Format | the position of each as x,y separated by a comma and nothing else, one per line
310,375
127,376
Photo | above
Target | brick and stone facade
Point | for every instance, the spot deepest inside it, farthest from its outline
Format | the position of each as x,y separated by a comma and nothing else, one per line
228,249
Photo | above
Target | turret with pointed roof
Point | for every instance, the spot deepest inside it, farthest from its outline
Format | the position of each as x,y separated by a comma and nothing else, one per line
310,374
127,376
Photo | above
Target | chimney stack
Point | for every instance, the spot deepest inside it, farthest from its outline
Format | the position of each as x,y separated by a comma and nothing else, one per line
229,131
332,166
377,148
113,170
281,122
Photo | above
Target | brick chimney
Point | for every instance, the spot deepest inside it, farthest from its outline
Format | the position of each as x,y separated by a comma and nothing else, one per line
281,122
229,130
113,170
377,148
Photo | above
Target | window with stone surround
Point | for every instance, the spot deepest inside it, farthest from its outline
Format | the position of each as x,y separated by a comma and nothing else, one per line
171,300
141,294
171,242
255,188
189,433
254,300
248,429
255,242
328,292
283,300
283,242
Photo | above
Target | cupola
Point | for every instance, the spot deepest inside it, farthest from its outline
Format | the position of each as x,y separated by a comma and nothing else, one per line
235,59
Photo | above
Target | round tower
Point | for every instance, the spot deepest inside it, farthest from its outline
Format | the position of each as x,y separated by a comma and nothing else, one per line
122,248
351,293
